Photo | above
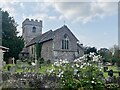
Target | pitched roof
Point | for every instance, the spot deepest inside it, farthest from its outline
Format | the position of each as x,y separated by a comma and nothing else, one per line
41,38
49,35
63,28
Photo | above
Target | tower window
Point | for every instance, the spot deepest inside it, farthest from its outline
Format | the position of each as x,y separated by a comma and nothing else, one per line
65,42
34,29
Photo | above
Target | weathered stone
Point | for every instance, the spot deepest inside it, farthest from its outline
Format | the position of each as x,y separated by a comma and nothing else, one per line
52,42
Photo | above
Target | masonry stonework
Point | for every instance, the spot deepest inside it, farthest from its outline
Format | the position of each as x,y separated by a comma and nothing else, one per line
52,42
47,51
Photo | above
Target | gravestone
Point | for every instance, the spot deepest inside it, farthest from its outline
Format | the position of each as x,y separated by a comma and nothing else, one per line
23,66
3,63
105,69
18,62
36,66
100,65
110,73
12,70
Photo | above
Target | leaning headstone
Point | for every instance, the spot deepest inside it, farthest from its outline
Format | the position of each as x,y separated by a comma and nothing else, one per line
105,69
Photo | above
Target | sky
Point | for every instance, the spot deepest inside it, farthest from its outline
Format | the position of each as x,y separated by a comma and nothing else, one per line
93,22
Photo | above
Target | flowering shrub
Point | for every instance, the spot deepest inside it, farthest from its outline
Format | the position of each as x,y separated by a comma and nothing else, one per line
82,73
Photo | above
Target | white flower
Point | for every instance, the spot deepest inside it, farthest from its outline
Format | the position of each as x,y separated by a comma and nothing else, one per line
60,74
33,63
92,82
72,66
81,66
59,70
88,63
77,65
95,58
50,71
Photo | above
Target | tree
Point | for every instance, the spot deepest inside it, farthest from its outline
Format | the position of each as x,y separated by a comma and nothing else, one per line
115,54
90,49
9,36
106,54
116,57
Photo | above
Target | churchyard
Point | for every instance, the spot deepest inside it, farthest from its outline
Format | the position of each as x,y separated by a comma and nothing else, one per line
85,73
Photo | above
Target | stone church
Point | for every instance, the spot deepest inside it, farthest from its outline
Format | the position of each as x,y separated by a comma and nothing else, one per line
51,45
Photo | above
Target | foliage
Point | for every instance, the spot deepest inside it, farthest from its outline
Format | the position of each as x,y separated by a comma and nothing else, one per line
38,50
83,73
9,36
106,54
116,57
90,49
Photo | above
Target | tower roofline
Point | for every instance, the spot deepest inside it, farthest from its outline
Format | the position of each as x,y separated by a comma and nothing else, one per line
27,21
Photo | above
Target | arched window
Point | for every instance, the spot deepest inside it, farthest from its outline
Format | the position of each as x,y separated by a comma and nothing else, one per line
65,42
34,29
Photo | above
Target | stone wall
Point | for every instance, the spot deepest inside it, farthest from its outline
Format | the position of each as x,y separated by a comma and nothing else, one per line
69,55
47,50
32,51
60,35
80,51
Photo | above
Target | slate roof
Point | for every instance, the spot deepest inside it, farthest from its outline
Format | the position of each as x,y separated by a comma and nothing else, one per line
49,35
41,38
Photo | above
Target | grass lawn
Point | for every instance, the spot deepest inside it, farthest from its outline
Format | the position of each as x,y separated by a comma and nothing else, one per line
114,68
44,67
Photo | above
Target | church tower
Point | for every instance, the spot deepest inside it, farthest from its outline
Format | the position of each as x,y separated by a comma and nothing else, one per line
30,29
